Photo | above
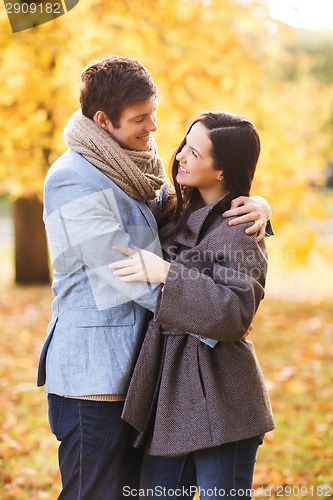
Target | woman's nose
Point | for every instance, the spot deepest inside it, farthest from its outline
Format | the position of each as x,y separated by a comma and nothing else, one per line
180,156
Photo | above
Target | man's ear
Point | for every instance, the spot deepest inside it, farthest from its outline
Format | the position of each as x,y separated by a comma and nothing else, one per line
101,119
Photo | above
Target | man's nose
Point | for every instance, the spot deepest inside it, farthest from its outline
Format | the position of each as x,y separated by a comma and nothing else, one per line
151,125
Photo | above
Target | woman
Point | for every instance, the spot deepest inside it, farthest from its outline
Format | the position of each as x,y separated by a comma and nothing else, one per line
197,392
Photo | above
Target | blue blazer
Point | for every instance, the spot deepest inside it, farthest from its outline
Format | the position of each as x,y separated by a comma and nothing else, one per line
97,321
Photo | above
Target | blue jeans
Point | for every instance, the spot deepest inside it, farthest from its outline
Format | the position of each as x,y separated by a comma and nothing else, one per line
222,472
95,457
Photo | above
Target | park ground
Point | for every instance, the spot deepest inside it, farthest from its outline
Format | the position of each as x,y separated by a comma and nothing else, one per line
293,335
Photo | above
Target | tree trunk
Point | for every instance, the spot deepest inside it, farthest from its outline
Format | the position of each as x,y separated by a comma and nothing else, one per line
31,254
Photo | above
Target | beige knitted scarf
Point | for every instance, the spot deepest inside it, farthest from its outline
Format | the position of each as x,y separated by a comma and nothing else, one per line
139,173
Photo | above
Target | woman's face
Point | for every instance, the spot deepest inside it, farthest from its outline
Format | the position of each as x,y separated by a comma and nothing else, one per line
196,165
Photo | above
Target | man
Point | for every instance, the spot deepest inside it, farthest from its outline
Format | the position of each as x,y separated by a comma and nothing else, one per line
96,198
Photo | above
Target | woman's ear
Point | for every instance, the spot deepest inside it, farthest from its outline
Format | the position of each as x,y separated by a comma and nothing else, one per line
220,176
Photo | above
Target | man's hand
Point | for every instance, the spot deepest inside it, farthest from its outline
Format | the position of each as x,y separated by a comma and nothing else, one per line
248,209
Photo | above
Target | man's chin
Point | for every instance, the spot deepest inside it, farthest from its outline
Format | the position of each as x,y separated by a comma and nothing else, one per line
137,146
143,147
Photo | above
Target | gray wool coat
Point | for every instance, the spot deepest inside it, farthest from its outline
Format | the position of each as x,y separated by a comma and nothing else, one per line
185,395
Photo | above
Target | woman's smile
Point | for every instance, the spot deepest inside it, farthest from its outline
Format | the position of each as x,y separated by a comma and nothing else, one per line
183,170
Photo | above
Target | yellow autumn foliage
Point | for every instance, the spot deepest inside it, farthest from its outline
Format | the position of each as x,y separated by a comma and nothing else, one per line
203,54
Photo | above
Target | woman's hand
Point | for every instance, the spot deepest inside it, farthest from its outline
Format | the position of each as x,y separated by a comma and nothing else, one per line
246,209
246,334
141,266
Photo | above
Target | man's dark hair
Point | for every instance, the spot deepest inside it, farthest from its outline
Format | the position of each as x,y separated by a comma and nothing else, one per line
112,84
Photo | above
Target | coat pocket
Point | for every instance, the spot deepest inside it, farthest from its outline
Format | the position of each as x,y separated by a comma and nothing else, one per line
195,383
114,316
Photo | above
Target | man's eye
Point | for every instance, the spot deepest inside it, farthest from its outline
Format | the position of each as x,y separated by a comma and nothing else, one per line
139,120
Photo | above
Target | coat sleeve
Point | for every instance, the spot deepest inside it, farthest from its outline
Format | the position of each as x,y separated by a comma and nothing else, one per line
220,301
83,223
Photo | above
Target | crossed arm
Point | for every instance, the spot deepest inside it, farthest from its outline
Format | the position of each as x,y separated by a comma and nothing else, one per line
148,267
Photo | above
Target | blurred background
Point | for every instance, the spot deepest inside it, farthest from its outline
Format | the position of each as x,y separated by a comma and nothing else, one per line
270,60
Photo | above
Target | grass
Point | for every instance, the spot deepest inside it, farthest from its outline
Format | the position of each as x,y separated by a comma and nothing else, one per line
294,346
5,207
27,449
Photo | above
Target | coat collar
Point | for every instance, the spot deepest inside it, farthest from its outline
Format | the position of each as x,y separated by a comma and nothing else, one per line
196,221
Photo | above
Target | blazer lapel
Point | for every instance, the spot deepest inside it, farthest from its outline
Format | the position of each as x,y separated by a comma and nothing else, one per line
146,212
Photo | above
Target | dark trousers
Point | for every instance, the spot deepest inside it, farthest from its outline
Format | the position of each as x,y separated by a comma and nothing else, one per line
224,472
95,457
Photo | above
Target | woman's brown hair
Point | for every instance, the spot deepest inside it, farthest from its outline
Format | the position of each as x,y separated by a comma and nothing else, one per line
235,150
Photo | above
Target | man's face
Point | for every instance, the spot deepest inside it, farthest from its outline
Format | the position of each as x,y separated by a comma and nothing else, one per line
135,125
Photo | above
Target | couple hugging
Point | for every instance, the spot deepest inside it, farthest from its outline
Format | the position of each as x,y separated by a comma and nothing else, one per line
152,384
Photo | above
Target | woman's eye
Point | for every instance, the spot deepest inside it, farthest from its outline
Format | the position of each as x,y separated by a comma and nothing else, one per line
194,154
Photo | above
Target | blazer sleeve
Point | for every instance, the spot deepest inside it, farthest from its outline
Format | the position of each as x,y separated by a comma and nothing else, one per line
219,302
269,231
83,223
